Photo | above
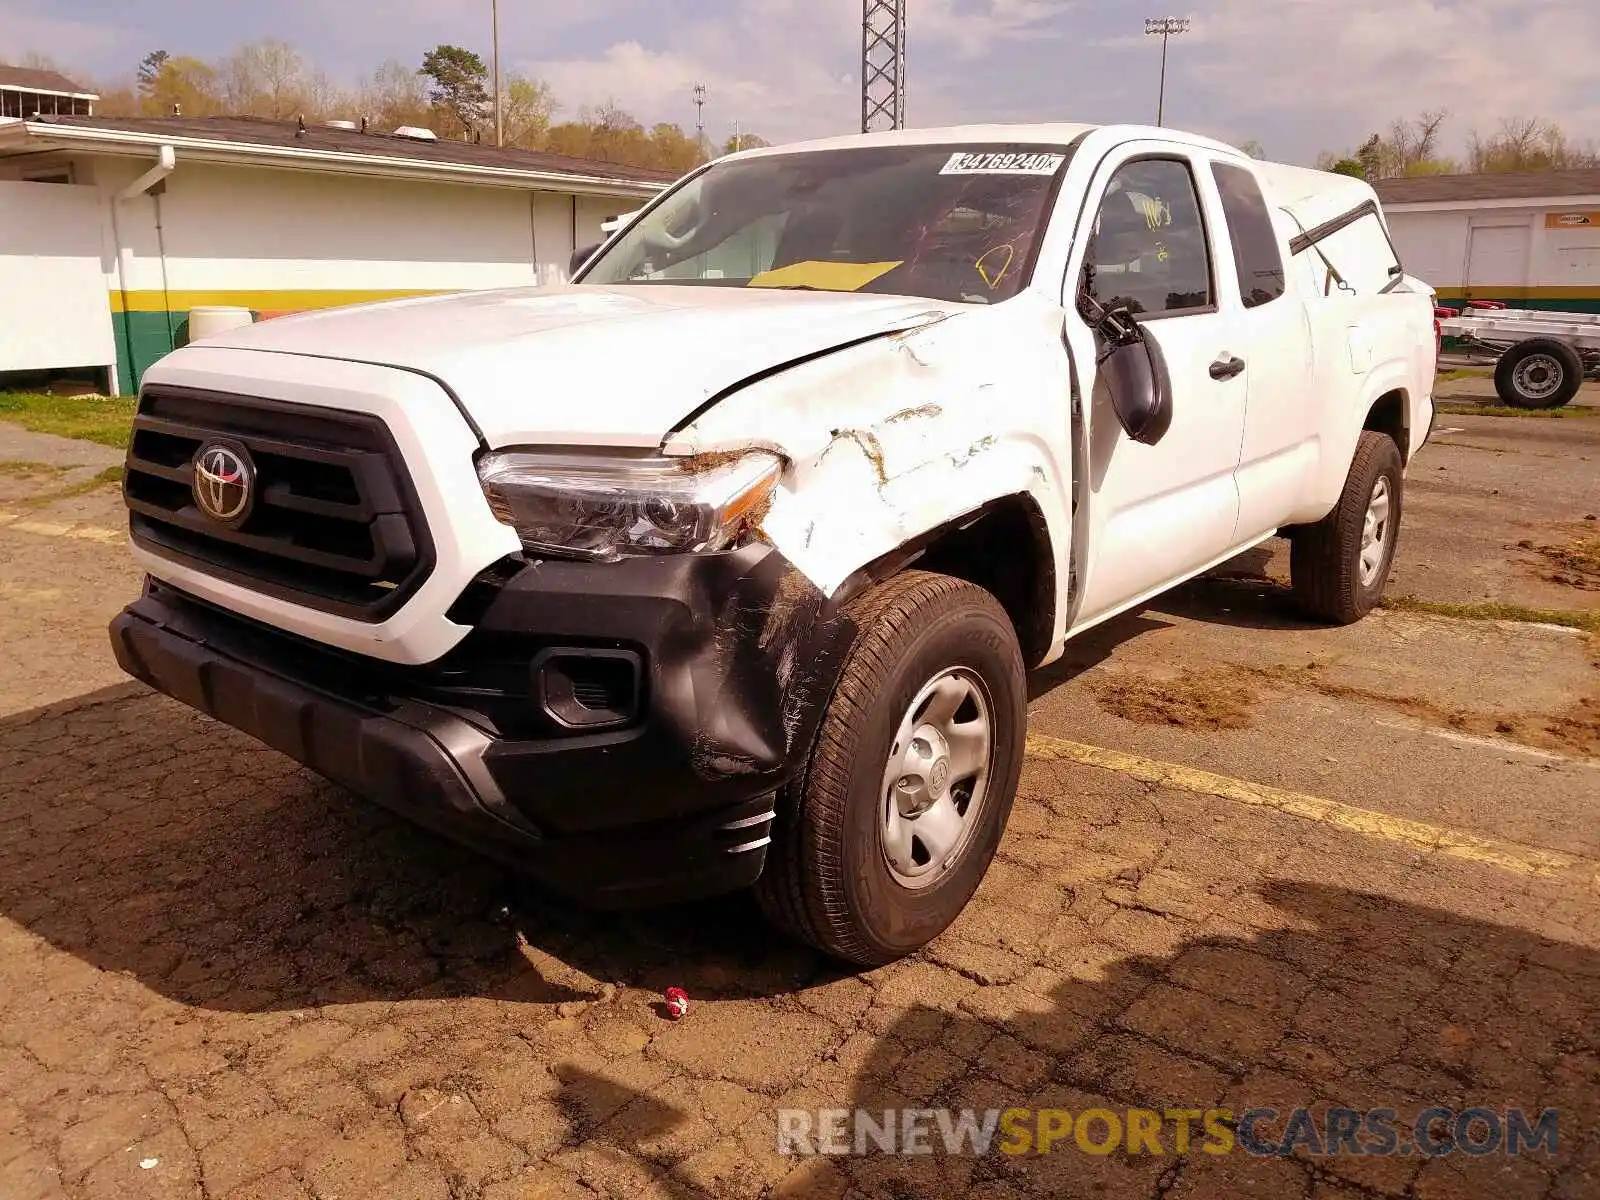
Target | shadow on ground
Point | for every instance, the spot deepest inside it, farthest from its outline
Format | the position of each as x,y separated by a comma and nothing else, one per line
1353,1000
147,839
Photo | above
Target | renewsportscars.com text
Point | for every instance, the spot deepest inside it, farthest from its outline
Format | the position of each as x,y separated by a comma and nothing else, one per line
1264,1132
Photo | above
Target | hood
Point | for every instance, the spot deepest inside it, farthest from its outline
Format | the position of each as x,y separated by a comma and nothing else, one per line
598,366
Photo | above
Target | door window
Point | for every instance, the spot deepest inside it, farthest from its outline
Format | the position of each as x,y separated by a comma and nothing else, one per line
1256,256
1148,251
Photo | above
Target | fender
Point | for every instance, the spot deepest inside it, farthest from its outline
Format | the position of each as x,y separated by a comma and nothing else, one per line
1393,375
891,440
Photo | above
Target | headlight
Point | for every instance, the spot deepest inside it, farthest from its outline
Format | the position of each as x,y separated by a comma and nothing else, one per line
602,508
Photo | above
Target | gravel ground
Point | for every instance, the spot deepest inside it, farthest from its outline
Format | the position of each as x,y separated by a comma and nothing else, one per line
1253,863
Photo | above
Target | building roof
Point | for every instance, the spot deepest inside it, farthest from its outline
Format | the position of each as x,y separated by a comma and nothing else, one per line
255,131
1530,185
30,80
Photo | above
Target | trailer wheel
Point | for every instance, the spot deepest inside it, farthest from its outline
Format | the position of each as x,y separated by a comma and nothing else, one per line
1538,373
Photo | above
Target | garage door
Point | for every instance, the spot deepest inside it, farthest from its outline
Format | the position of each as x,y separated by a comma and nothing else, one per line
1497,260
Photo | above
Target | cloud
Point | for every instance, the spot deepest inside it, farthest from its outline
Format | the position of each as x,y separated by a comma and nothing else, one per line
75,44
1301,76
1315,75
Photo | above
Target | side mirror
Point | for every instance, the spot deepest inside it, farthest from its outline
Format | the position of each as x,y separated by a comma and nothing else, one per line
580,256
1134,371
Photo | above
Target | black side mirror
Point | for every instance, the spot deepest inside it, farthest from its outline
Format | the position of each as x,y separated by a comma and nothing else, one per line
580,256
1134,370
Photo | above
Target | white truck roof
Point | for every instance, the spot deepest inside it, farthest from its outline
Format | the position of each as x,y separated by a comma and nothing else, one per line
1313,198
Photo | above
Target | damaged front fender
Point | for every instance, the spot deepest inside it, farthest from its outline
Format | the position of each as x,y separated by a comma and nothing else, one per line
891,439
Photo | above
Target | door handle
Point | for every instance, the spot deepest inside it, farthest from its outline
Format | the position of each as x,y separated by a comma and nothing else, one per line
1226,367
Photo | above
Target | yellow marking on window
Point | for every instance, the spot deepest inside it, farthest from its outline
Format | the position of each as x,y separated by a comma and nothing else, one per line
825,276
1490,851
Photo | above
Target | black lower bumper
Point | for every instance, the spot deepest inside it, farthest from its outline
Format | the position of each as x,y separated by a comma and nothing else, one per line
677,804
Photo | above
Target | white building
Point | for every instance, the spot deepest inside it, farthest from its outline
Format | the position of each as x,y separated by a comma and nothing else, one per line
1532,240
113,229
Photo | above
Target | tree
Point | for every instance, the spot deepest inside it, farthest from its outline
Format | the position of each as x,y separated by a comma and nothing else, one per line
529,105
459,89
1527,144
1347,166
265,79
1253,148
744,141
150,68
1411,147
394,96
179,82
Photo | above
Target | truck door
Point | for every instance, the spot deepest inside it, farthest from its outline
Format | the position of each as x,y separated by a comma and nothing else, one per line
1281,448
1156,513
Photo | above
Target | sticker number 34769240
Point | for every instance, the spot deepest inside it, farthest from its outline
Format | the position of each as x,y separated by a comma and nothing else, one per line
992,163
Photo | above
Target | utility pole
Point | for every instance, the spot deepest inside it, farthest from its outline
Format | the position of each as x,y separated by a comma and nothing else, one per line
499,100
700,115
1167,27
737,140
883,65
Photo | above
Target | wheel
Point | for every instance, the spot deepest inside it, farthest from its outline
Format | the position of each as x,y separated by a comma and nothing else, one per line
1340,565
1538,373
898,813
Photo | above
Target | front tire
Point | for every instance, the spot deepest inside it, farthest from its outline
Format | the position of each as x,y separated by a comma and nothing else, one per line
1340,566
893,823
1538,373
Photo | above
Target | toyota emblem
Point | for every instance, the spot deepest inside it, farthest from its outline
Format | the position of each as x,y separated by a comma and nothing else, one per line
224,482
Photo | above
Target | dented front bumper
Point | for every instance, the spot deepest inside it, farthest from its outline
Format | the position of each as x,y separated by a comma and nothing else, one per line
726,663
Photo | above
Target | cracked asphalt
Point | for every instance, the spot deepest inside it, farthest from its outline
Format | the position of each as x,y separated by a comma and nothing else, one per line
1375,883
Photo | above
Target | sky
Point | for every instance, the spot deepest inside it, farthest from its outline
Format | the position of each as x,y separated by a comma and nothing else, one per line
1297,76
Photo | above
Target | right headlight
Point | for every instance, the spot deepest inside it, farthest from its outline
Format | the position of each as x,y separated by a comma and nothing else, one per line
603,507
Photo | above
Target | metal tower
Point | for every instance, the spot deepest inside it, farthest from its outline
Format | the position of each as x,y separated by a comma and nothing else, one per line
883,65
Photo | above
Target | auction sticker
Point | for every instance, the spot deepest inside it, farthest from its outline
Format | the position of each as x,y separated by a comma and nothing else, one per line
1009,163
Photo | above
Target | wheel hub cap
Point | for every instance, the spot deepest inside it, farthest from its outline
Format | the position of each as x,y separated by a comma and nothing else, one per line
1375,532
936,778
1539,376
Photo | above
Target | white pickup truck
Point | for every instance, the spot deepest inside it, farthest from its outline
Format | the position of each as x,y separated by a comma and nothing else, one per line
723,566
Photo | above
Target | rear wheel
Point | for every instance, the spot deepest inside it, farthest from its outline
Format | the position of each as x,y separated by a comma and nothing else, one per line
900,809
1340,566
1538,373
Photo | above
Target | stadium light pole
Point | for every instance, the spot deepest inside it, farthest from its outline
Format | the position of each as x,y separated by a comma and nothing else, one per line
1167,27
499,100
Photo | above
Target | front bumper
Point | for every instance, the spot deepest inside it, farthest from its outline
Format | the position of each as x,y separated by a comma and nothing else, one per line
738,661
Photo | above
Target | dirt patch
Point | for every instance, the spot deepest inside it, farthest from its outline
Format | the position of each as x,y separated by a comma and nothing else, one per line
695,464
869,445
1576,564
1577,730
1213,699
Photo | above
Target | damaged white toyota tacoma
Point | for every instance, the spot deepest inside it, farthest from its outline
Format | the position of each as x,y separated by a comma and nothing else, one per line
722,567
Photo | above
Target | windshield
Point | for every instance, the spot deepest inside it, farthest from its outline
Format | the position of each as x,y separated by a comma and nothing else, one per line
947,222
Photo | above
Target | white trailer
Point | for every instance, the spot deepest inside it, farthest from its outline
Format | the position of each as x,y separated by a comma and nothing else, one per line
1541,358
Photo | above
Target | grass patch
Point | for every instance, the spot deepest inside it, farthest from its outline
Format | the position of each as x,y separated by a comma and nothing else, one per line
1194,700
1570,412
106,420
1458,375
1588,621
109,476
23,467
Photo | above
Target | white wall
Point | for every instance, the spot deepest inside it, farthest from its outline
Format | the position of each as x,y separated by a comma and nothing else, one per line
53,311
239,228
1432,246
1435,246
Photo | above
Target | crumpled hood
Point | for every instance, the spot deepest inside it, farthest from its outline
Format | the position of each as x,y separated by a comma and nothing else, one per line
599,366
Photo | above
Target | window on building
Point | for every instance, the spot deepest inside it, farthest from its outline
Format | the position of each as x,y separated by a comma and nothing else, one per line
1149,251
1256,256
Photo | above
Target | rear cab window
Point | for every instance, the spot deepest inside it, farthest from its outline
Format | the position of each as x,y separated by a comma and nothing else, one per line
1356,259
1257,257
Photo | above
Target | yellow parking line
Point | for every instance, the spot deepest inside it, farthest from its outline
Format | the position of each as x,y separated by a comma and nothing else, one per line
74,530
1508,856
